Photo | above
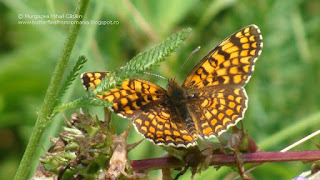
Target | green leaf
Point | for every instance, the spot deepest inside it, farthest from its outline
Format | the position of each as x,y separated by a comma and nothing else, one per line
83,101
144,61
72,76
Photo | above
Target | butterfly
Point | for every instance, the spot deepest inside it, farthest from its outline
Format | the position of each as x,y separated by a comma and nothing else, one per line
211,99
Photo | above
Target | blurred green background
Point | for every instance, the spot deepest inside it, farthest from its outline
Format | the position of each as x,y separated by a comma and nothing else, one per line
283,92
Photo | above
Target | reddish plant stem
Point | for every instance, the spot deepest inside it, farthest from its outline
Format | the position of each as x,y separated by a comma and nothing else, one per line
155,163
219,159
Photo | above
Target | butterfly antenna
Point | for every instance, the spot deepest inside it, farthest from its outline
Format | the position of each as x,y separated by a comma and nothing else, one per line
195,50
156,75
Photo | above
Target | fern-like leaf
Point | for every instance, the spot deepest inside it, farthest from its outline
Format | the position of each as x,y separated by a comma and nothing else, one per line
144,61
83,101
72,76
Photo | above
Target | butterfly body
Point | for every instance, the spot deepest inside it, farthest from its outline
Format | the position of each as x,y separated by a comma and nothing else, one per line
211,99
179,100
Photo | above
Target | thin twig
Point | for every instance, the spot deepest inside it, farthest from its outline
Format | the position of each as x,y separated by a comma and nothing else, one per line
219,159
300,141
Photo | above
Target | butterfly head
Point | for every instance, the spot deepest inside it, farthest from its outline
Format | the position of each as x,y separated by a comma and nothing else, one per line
174,90
171,83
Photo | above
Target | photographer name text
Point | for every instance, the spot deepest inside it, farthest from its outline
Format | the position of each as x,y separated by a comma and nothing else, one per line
49,16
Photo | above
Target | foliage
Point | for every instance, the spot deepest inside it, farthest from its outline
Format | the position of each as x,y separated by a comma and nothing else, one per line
138,65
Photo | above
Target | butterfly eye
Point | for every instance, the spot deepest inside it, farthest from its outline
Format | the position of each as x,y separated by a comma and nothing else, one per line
168,85
191,96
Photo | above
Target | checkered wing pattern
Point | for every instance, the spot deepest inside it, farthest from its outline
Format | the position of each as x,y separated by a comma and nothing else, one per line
90,79
211,99
146,104
217,110
160,124
218,98
230,64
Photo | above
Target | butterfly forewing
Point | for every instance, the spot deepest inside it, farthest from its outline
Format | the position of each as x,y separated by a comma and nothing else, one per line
231,63
133,96
90,79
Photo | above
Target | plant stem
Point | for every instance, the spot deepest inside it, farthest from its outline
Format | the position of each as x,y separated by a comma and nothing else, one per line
221,159
51,95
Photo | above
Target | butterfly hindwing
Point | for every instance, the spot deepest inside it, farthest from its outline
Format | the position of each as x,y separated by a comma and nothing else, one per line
161,125
215,111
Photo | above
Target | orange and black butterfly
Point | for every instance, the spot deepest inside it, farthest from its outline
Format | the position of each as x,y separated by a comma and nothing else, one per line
210,100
